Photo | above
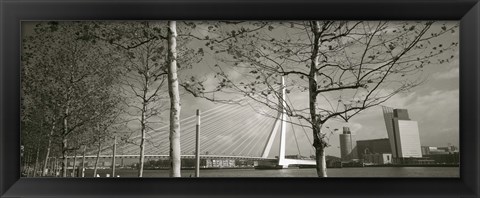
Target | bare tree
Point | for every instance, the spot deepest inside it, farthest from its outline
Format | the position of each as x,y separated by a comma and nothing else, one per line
343,67
145,80
141,46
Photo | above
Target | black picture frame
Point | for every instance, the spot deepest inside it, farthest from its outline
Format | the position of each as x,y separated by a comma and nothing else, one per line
14,11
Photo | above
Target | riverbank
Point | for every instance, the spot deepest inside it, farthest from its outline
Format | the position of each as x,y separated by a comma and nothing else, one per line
414,165
450,172
193,168
387,165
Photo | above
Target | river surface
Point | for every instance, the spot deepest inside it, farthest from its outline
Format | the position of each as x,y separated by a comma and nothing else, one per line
303,172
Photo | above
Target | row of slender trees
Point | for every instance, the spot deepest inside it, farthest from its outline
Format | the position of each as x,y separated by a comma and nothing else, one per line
85,83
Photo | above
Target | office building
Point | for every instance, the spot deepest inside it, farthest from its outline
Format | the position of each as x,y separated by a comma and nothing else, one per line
403,133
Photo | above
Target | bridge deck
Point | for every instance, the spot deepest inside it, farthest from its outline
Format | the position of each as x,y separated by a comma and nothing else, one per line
182,156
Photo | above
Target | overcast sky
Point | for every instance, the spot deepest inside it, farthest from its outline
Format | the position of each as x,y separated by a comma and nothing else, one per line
434,105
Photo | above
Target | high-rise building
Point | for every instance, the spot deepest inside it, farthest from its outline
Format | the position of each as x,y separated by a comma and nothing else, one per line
402,133
346,145
388,116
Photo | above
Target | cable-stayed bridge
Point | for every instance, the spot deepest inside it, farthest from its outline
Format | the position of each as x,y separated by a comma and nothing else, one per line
228,131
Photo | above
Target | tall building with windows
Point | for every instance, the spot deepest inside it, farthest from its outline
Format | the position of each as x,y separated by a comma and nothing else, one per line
388,116
402,133
347,145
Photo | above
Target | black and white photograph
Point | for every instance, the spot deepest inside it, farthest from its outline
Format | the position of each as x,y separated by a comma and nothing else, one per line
234,98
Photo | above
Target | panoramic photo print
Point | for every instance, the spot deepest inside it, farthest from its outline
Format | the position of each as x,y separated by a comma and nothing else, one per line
115,99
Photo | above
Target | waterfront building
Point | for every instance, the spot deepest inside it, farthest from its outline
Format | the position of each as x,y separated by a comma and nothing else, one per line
441,155
433,150
377,158
403,134
220,163
425,150
446,158
347,145
374,146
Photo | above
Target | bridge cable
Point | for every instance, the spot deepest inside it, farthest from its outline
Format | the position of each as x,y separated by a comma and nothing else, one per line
206,127
129,147
294,135
219,126
215,128
219,130
260,129
166,133
301,125
261,139
238,136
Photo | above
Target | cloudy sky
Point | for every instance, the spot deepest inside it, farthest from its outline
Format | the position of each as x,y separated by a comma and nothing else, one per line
434,104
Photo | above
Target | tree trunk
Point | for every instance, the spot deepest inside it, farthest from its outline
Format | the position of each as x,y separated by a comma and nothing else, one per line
142,143
29,164
55,167
64,141
74,163
321,162
98,158
319,144
24,157
173,92
49,145
35,166
83,161
65,160
114,152
318,141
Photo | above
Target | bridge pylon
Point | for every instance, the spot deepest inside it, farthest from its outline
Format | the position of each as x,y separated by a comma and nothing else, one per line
282,122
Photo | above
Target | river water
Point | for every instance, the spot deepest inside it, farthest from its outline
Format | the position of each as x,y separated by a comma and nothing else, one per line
303,172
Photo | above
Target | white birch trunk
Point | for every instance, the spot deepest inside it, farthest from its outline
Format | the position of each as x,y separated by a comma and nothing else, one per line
142,144
98,158
174,101
49,145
